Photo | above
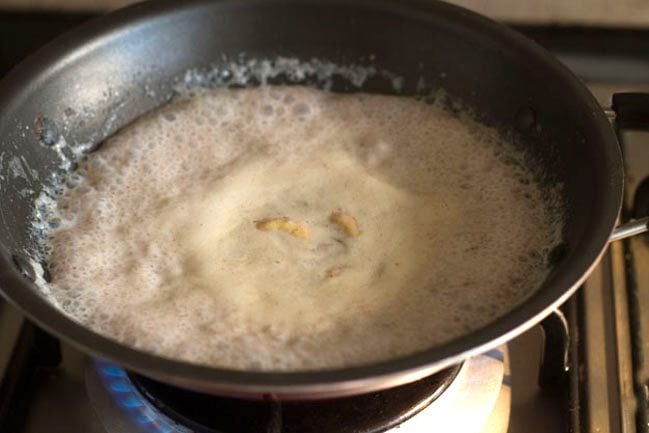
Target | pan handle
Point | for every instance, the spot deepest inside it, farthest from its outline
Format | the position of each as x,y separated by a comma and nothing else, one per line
630,111
629,229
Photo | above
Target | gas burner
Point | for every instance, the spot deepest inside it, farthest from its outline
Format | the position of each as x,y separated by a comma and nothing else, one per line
130,403
367,413
121,406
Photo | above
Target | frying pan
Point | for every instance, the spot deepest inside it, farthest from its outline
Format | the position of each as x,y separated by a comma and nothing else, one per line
96,79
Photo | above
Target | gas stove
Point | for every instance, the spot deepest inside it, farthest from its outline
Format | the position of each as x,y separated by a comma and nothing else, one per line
583,371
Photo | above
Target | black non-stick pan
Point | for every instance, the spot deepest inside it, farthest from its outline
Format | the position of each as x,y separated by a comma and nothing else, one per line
96,79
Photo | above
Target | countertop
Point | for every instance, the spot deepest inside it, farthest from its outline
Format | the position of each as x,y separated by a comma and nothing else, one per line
605,13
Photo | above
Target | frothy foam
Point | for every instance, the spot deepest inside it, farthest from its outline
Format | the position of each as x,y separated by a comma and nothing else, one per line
156,239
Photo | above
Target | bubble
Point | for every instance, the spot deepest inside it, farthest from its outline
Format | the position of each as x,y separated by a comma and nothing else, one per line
301,109
116,267
268,110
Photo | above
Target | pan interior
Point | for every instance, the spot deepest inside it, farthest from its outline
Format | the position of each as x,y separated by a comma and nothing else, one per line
96,80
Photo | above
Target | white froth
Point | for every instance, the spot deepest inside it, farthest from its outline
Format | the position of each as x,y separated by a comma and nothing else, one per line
153,241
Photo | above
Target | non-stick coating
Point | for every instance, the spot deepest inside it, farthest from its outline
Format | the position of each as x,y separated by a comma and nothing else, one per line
106,73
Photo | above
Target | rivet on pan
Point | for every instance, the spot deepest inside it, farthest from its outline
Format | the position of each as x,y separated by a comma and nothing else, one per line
525,119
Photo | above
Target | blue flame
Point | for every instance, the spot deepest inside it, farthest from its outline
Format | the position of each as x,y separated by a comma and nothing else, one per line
141,413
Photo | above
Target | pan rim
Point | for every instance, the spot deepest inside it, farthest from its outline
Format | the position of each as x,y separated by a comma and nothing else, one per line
339,381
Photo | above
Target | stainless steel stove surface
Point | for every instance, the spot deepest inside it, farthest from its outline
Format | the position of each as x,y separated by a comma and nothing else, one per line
44,384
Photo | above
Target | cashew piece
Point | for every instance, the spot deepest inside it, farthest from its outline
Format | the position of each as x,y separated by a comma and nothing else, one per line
284,224
334,271
346,222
